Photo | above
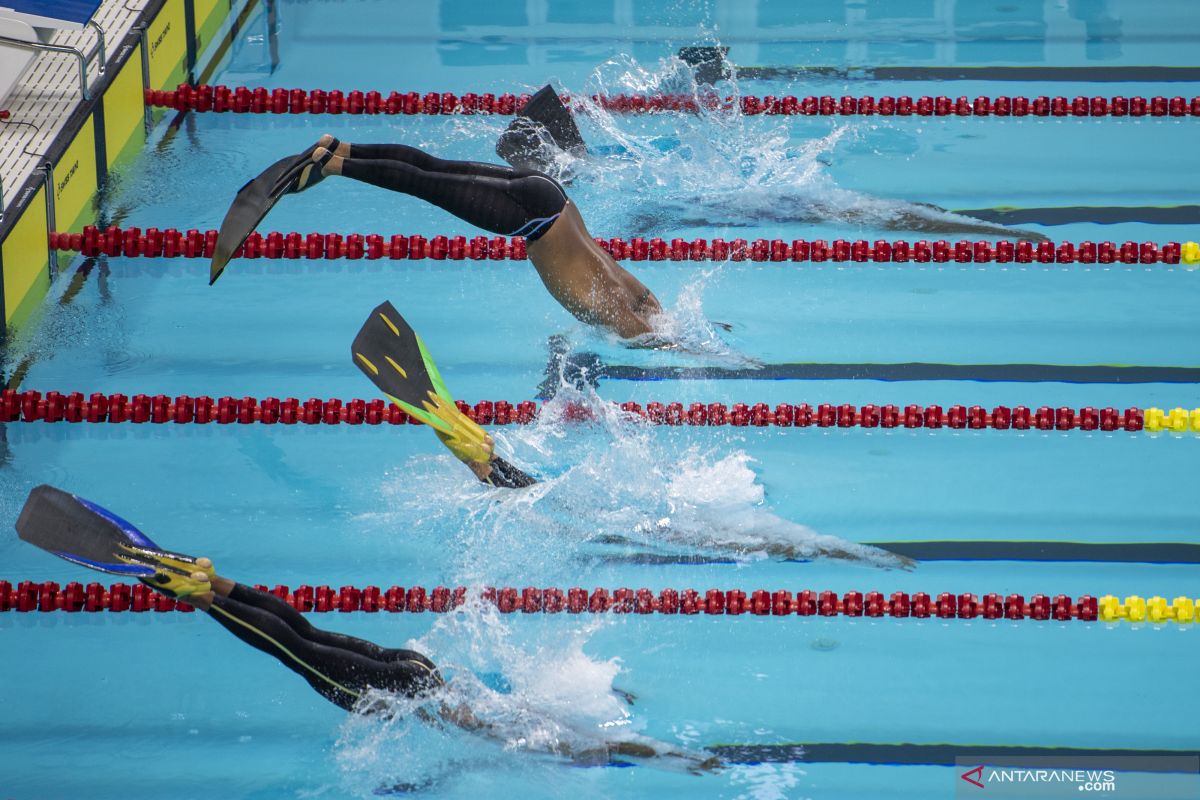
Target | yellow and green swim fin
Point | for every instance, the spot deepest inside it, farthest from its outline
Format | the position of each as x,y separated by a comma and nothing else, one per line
392,355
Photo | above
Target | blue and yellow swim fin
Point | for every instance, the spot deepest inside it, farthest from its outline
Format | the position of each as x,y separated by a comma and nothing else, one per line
84,533
81,532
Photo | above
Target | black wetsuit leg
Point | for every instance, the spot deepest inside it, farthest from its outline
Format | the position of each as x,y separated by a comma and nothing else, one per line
422,160
340,668
499,199
297,622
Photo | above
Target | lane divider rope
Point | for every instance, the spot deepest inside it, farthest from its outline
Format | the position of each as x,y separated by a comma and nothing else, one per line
260,100
74,407
132,242
47,596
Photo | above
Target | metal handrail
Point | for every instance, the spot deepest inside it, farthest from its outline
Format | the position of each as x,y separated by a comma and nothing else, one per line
101,51
100,46
56,48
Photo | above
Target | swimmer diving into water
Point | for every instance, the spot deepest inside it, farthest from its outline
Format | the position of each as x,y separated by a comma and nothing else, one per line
522,200
391,354
499,199
349,672
545,129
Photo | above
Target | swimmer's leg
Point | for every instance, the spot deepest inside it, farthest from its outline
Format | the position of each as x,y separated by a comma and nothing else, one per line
297,622
422,160
510,203
338,674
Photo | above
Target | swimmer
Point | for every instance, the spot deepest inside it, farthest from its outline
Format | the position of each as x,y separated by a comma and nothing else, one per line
349,672
545,129
499,199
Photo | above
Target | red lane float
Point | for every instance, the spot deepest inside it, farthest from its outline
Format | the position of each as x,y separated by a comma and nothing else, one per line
47,596
133,242
260,100
75,407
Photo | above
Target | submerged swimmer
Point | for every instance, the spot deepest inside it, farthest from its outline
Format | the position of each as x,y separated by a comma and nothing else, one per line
545,129
499,199
349,672
741,211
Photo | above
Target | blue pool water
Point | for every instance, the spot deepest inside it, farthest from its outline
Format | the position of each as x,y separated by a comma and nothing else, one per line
99,705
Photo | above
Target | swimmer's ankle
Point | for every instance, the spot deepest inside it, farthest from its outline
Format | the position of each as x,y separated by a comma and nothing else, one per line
482,469
333,166
202,601
222,586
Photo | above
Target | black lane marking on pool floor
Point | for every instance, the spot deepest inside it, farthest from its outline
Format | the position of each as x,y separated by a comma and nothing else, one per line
942,755
948,550
658,559
1147,74
1113,552
1094,215
911,371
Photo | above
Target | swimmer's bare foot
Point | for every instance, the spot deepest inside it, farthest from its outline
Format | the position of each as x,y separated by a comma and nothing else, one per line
311,172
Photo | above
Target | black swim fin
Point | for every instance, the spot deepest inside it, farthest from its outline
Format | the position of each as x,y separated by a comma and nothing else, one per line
256,199
81,532
709,64
544,120
392,355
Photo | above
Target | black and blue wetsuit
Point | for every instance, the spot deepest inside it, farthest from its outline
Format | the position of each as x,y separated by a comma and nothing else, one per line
499,199
340,668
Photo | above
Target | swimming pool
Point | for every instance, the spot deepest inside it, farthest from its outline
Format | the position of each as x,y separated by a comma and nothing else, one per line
115,700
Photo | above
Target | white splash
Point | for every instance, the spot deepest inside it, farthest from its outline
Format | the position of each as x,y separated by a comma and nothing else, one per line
556,706
684,328
718,168
604,476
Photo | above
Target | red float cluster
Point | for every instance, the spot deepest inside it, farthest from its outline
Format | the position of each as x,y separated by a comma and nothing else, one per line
32,406
846,415
48,596
260,100
900,252
982,106
75,597
173,243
